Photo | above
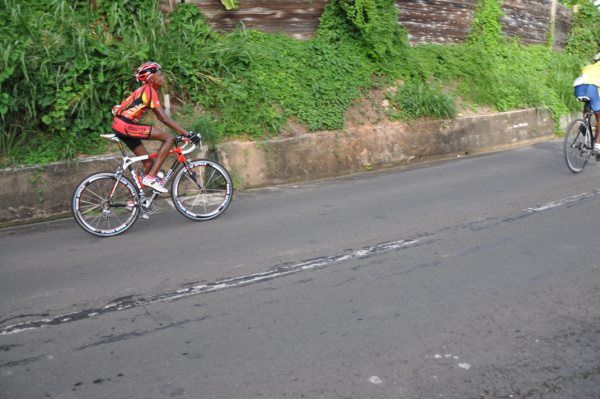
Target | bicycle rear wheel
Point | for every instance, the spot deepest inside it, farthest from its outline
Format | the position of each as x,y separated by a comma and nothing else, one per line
98,212
577,145
203,192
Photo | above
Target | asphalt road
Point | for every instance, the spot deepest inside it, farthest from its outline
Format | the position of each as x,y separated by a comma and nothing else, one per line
469,278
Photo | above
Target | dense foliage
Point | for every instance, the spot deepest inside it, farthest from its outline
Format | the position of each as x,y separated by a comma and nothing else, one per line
65,64
420,99
503,74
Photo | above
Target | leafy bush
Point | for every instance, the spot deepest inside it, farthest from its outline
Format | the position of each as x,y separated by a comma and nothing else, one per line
62,68
420,99
504,74
584,39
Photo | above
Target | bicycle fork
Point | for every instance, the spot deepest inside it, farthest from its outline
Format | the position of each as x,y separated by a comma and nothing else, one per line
194,176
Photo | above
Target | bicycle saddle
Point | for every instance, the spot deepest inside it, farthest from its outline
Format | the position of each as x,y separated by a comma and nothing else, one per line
110,136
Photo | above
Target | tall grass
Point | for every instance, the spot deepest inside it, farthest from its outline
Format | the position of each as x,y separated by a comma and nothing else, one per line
62,65
421,99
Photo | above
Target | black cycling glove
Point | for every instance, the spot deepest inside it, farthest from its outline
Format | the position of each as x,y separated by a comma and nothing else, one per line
194,138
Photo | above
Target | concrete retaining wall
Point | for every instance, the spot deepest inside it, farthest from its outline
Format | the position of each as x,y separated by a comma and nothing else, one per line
315,155
41,192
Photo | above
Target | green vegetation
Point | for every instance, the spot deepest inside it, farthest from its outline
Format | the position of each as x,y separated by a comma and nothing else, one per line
502,74
419,99
230,4
64,65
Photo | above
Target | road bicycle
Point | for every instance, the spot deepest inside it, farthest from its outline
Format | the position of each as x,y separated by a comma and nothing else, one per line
108,203
579,140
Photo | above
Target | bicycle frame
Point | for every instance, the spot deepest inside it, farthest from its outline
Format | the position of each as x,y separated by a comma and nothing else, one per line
180,161
587,120
587,114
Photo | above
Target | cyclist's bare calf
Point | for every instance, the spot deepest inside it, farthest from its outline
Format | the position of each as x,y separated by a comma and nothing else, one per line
167,143
139,151
597,126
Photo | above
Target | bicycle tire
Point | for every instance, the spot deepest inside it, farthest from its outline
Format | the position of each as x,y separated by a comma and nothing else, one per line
205,195
577,145
93,212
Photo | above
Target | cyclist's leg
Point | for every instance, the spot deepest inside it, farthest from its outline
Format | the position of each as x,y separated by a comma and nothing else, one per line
597,113
168,141
140,150
594,96
137,147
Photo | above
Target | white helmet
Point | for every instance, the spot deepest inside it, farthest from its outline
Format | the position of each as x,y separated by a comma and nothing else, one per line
597,58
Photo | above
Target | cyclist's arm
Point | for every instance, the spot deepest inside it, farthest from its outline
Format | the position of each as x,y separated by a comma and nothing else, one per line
166,119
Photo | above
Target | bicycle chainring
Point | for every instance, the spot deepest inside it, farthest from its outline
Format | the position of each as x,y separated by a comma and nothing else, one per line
149,206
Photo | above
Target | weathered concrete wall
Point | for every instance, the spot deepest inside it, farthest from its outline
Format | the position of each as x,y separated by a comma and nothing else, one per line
298,18
427,21
315,155
530,20
33,193
562,26
436,21
38,192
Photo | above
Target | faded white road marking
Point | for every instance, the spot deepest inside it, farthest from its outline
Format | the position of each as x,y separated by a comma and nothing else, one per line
375,380
563,202
276,272
445,356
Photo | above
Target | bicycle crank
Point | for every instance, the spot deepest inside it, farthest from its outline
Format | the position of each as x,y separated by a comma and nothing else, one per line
149,206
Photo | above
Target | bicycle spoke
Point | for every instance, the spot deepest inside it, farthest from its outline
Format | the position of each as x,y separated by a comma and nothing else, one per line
88,203
90,209
89,193
210,178
192,180
215,190
99,191
196,199
97,219
118,218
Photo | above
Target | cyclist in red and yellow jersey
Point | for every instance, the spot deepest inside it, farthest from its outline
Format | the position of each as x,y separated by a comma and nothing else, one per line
127,127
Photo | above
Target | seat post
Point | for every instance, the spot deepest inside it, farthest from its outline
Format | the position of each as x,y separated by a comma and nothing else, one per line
121,148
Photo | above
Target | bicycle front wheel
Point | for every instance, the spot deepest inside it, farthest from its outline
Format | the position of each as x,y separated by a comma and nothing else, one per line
577,145
104,206
203,190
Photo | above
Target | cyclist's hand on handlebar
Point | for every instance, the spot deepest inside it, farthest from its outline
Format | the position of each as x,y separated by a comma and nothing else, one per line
194,138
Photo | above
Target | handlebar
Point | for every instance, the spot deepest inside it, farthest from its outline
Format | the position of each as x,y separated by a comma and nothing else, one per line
187,142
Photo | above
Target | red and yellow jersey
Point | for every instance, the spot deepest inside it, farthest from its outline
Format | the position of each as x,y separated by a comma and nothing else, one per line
138,102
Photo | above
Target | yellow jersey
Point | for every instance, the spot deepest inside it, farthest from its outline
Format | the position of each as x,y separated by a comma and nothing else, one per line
590,75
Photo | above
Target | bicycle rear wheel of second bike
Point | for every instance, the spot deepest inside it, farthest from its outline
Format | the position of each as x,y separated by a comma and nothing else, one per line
203,192
105,207
577,145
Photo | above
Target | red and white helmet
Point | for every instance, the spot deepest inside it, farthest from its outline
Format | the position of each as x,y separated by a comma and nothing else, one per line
147,69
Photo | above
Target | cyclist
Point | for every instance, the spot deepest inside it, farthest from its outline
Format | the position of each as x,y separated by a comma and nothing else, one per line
588,85
126,124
